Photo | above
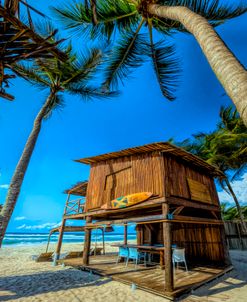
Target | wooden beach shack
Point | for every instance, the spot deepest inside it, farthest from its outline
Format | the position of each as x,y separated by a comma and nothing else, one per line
183,210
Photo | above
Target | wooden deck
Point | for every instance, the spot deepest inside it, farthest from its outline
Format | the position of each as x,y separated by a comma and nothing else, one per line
150,279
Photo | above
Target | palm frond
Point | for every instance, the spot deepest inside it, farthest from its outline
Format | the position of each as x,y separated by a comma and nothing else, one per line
166,66
213,10
31,74
85,66
56,103
125,56
88,93
239,172
46,29
111,15
166,26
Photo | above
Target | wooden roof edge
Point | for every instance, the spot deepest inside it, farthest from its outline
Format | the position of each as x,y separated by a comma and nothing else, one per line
115,154
218,172
74,188
162,147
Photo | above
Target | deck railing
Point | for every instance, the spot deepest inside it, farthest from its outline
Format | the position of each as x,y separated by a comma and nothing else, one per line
75,206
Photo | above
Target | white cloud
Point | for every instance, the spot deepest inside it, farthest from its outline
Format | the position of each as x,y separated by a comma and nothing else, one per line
20,218
5,186
47,225
21,227
240,189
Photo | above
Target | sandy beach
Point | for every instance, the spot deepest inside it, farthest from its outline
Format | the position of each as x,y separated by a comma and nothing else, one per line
22,279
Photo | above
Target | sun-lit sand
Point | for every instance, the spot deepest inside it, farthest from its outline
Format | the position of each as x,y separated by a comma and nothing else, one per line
22,279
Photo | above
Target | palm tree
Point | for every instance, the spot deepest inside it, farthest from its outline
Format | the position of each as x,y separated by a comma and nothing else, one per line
71,76
131,18
225,148
231,213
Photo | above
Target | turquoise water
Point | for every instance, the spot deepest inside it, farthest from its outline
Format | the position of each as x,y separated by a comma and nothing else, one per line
13,239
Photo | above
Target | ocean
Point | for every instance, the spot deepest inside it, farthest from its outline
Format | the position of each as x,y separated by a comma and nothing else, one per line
13,239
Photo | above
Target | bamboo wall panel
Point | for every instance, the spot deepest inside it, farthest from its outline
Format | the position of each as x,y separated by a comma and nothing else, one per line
177,174
126,175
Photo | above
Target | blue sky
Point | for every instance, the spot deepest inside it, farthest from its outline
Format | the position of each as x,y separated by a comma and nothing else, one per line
139,115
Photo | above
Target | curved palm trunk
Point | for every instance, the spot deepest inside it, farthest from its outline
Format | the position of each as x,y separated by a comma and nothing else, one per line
240,213
227,68
20,170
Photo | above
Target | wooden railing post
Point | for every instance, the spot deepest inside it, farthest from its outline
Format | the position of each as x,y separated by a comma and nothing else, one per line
169,283
66,204
79,206
87,242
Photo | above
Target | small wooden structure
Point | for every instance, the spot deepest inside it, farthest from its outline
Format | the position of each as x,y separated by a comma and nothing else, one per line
73,206
184,209
20,42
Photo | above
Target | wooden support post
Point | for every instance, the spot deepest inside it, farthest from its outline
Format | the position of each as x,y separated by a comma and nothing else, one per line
87,242
169,283
66,204
125,234
59,244
103,239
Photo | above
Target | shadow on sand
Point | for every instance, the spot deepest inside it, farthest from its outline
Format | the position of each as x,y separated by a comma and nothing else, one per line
220,287
16,287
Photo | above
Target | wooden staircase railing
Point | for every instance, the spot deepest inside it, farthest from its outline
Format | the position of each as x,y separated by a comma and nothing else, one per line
75,206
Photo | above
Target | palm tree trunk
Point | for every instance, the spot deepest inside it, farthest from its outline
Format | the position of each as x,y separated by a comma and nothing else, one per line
20,170
240,213
226,67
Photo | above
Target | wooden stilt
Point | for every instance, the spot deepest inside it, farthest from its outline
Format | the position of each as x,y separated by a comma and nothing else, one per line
87,242
125,234
59,244
103,239
169,283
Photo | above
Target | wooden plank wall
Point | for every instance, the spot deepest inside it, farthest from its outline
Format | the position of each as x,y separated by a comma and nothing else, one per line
234,237
150,234
138,173
202,243
177,174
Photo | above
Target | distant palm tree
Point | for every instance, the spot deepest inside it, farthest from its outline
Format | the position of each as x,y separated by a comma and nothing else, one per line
132,17
73,77
225,148
231,213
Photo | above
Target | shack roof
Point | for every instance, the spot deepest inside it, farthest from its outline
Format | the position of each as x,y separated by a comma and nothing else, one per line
164,147
80,189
